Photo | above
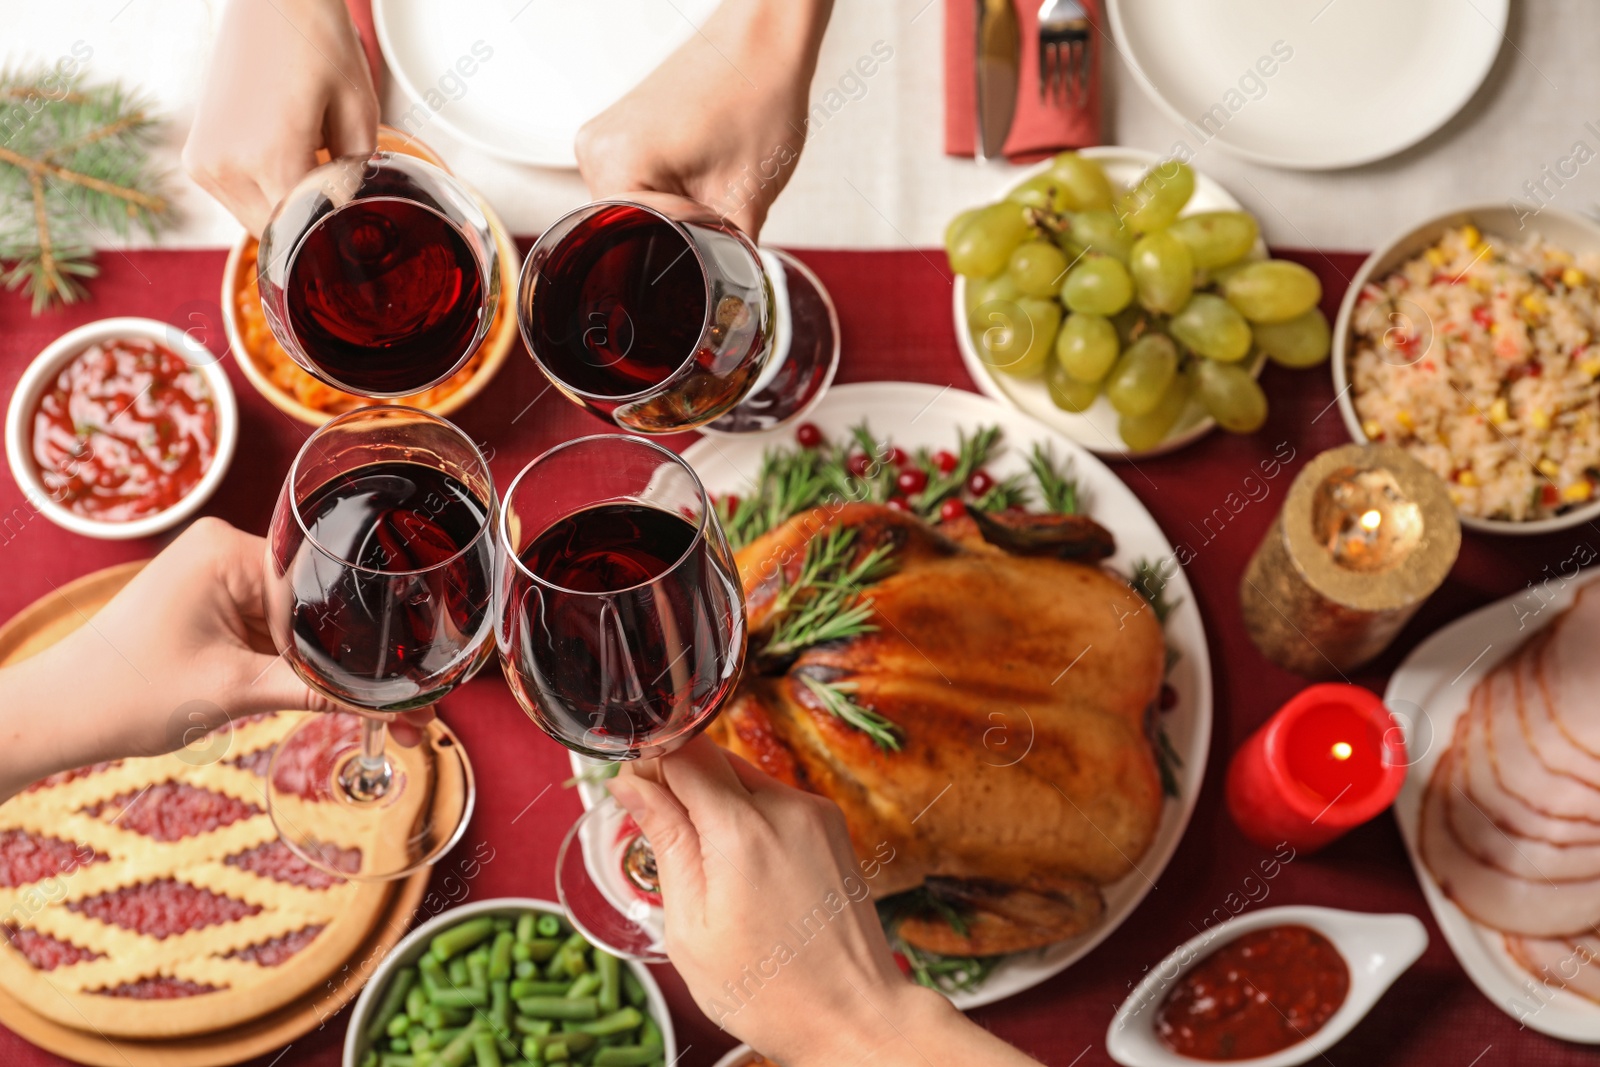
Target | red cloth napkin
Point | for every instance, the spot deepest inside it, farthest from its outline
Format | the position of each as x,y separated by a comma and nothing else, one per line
1040,127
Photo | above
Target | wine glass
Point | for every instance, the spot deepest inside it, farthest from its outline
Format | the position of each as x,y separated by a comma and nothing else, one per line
379,274
622,632
379,581
659,315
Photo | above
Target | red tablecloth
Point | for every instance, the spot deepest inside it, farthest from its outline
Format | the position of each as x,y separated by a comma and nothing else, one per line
894,309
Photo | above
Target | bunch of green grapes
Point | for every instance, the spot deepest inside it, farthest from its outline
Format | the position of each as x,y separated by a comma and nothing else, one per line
1107,291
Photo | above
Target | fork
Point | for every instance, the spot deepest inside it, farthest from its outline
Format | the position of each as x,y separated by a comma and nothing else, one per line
1063,52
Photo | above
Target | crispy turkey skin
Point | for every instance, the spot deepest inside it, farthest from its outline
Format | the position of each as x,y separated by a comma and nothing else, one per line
1020,686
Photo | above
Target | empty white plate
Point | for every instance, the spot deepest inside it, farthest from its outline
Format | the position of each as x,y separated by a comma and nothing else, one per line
1310,84
517,78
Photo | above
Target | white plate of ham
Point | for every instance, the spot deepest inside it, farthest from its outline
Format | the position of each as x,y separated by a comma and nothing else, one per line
1501,808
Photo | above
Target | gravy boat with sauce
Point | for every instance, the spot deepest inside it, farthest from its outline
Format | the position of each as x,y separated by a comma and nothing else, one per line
1376,948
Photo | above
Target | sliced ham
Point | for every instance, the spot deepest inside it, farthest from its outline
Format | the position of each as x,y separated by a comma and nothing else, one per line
1572,671
1516,766
1572,964
1480,783
1522,857
1512,905
1553,748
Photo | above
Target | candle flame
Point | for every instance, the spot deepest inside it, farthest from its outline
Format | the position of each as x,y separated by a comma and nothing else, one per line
1371,519
1342,750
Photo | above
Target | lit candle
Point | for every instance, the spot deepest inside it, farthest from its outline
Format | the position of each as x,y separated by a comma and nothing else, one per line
1327,761
1366,534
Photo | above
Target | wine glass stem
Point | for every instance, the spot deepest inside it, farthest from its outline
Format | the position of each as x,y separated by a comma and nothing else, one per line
369,776
639,866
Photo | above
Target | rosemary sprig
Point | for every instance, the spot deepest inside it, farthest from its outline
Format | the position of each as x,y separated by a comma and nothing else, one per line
971,453
837,699
792,480
1150,583
1006,493
1057,490
824,602
948,974
1168,762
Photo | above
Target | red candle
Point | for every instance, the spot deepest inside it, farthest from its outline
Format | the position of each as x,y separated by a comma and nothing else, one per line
1327,761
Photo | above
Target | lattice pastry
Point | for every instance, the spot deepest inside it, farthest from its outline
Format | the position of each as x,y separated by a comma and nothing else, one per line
152,898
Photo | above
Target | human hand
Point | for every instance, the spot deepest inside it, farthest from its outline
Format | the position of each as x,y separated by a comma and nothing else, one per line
778,943
285,78
722,120
182,649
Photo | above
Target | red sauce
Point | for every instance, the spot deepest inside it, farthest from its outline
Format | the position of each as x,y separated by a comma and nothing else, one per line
1263,992
125,431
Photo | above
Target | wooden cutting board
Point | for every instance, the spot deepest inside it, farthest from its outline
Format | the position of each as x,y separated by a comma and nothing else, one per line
36,627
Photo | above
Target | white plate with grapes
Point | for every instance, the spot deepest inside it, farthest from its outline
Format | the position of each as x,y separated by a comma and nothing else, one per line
922,422
1136,324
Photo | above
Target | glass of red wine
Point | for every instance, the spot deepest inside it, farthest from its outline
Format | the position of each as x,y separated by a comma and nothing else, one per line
659,315
621,630
379,274
379,590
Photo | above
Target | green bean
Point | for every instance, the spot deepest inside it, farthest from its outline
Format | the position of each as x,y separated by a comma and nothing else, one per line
542,949
396,1059
421,1045
439,1017
555,1052
559,1007
458,939
616,1022
478,972
549,926
393,998
457,970
527,926
650,1035
609,968
444,1035
632,988
370,1059
433,975
533,1027
626,1056
416,999
461,997
584,986
456,1053
500,1006
524,968
520,989
398,1025
486,1050
500,955
399,1044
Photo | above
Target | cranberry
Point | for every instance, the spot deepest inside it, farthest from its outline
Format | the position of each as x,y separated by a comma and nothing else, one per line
945,461
898,503
901,962
808,435
911,480
952,509
897,456
731,502
980,483
858,464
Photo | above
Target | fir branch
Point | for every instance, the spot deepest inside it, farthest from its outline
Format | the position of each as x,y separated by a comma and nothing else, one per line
837,698
1057,490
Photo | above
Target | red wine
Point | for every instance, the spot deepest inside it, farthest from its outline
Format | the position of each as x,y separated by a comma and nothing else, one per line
387,610
621,303
632,640
385,297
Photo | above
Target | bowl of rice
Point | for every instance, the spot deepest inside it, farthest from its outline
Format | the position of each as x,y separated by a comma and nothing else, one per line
1473,342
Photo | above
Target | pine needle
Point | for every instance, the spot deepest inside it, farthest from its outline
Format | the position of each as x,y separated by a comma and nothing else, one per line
74,171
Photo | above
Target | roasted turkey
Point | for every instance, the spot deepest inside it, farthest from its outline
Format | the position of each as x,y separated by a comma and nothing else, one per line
1019,683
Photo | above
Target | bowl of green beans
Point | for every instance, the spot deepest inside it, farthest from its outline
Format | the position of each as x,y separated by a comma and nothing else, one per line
508,983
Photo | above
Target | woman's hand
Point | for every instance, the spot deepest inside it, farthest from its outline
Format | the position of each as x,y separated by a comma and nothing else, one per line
285,78
771,923
722,120
180,650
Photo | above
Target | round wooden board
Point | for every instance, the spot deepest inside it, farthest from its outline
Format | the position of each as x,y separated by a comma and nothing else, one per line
36,627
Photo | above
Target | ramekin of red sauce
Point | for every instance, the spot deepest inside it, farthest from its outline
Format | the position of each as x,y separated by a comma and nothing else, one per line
121,428
1271,988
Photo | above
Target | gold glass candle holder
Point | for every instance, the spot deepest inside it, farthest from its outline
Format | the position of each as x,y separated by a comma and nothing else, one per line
1365,536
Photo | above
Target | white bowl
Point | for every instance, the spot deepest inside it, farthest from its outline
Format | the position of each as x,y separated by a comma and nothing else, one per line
42,372
739,1057
414,944
1377,949
1574,233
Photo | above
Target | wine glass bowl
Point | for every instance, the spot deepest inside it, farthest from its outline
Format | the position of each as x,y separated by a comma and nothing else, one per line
380,568
379,274
653,313
621,619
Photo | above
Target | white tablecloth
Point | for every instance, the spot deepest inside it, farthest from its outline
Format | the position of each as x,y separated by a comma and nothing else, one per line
875,175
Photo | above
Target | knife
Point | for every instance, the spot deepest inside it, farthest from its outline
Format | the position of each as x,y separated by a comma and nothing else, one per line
999,63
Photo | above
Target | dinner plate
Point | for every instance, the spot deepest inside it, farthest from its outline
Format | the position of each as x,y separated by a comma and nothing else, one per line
516,78
1427,694
1095,429
1309,84
915,415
